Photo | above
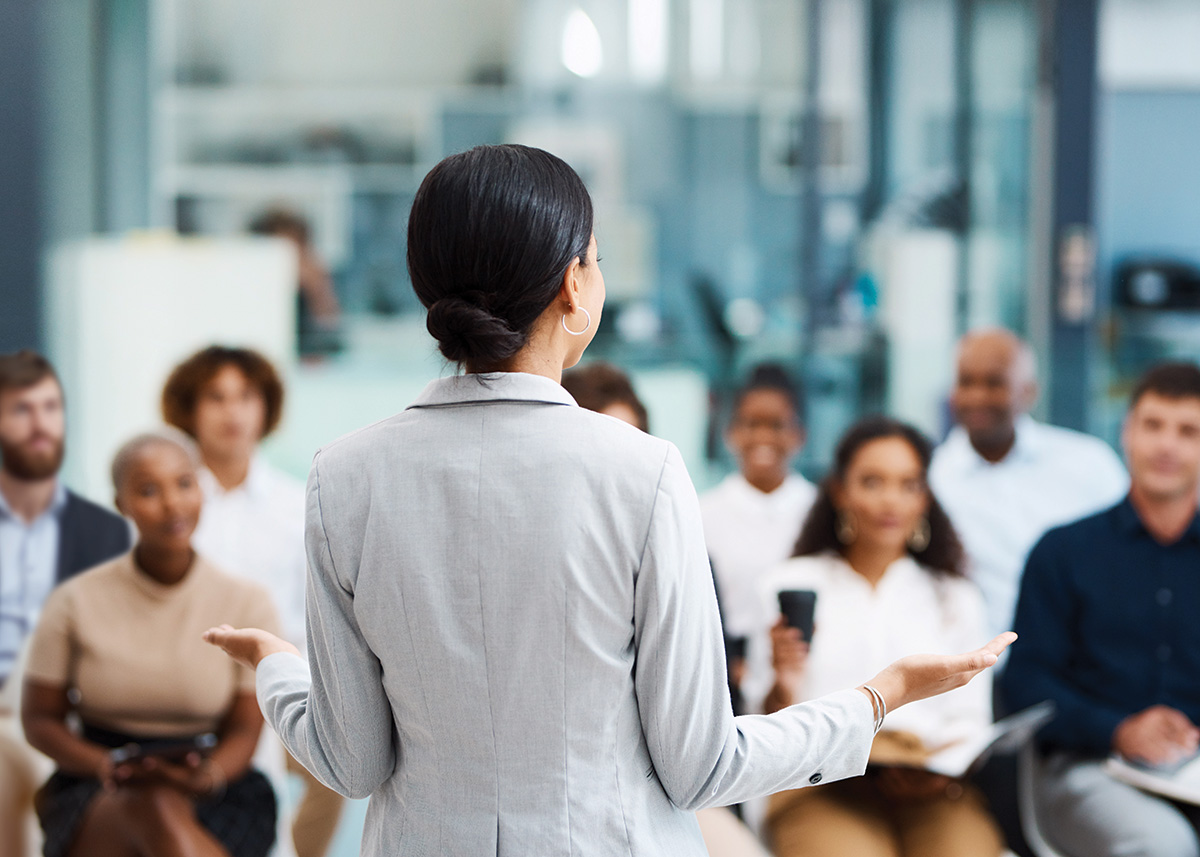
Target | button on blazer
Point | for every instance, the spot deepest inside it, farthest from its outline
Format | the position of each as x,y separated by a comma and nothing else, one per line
514,645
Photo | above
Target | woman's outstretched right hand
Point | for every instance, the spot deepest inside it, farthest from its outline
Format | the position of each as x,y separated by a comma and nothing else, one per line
921,676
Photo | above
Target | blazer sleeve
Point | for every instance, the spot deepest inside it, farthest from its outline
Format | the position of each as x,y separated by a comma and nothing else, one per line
703,755
332,714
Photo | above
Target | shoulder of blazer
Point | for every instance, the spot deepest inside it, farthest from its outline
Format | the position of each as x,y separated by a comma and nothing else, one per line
88,535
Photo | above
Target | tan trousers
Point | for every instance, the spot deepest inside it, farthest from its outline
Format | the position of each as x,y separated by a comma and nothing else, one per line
317,815
854,819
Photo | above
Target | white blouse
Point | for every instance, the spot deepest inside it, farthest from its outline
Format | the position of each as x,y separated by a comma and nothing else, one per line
860,630
748,533
256,531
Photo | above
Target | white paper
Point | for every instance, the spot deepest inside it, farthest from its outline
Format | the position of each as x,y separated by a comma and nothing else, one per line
1182,785
1004,736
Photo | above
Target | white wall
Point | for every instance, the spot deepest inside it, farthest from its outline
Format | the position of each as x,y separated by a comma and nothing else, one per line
1152,44
345,43
124,311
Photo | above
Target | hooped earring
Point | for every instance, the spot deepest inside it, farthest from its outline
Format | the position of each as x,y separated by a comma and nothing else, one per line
918,540
845,530
585,327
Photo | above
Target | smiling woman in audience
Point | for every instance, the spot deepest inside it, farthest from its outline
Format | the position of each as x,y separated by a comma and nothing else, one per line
752,518
885,564
120,646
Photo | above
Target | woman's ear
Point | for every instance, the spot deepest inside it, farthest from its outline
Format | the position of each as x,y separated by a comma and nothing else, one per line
569,291
118,505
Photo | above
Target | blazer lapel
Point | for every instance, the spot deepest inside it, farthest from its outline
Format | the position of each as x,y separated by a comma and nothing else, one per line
67,536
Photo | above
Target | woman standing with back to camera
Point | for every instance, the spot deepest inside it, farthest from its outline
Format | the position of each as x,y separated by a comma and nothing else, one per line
514,645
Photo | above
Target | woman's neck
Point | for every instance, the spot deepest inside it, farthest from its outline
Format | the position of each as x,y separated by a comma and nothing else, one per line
229,472
166,565
871,561
531,362
546,352
766,483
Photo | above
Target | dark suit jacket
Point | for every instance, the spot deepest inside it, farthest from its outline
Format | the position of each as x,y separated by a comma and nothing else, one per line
88,536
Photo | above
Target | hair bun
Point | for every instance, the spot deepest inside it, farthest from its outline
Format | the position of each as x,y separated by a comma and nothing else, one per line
466,332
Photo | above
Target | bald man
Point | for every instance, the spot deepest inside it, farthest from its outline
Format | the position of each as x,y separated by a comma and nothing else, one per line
1005,479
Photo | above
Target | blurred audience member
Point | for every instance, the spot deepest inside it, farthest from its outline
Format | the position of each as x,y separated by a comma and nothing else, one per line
119,646
752,519
47,534
318,314
229,399
1004,478
1107,620
604,388
886,567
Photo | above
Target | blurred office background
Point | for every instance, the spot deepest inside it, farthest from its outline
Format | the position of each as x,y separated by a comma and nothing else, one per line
841,185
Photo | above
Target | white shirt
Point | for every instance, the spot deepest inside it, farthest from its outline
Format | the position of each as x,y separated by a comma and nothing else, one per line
748,533
859,630
28,571
1051,476
256,531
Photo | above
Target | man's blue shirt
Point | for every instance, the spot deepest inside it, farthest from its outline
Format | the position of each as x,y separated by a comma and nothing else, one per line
1109,624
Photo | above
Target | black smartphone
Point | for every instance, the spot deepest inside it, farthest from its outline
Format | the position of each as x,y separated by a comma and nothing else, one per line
735,648
172,750
798,607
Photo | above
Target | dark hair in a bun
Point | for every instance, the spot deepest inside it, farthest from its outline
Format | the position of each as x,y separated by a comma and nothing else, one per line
492,232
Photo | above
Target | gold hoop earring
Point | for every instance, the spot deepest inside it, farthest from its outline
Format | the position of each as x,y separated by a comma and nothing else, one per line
918,540
845,530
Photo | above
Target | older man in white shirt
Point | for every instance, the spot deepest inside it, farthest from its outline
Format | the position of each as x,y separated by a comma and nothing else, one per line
1006,479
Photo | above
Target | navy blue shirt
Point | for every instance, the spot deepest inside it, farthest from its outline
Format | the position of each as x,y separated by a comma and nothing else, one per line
1109,625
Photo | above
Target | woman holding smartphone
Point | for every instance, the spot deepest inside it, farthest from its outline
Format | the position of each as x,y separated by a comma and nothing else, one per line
120,646
514,645
886,568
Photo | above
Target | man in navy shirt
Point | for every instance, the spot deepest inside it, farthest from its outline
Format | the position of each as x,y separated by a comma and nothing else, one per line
1107,618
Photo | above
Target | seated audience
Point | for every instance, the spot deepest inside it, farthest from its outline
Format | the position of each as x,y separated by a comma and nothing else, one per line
751,520
47,535
252,525
1108,631
886,567
604,388
1004,478
119,647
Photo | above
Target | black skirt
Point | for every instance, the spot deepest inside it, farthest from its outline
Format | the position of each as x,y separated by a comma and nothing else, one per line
242,819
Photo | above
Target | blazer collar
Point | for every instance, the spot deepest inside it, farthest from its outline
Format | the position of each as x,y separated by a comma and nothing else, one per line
492,387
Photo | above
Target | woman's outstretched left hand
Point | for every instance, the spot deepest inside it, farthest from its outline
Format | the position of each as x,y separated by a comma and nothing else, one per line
247,645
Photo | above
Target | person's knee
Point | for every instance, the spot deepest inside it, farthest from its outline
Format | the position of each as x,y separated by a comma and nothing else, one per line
1158,834
1166,838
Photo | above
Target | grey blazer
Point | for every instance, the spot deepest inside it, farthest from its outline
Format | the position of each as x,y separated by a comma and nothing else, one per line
514,642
